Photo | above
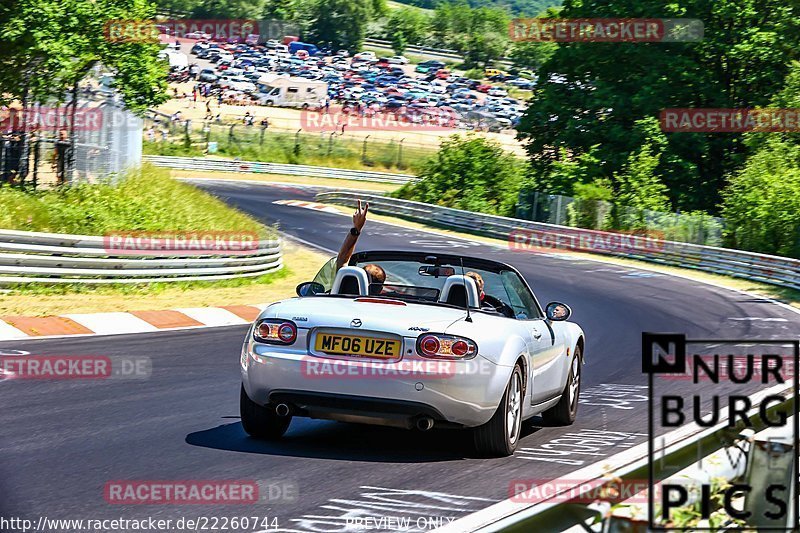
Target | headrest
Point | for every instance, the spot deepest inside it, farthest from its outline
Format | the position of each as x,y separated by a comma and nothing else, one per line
458,290
351,280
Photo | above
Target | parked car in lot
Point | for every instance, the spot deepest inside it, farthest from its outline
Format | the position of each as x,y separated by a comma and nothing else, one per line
428,66
501,358
365,56
398,60
497,91
489,72
207,75
197,35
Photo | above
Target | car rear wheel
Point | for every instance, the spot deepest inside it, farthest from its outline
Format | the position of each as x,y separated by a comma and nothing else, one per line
261,422
564,412
500,435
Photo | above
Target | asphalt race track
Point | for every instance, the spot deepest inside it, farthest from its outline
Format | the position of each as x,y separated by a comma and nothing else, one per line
62,441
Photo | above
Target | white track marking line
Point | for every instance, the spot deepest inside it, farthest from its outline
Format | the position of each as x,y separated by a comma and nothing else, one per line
105,323
309,205
213,316
9,332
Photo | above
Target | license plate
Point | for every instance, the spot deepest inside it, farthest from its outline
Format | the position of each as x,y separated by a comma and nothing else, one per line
355,345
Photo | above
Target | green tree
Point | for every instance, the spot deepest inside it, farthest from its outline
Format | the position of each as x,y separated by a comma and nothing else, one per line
47,47
481,32
469,173
531,55
483,48
761,205
342,23
229,9
404,26
281,9
399,43
594,93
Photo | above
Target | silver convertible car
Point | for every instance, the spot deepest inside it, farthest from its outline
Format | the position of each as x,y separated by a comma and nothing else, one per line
422,347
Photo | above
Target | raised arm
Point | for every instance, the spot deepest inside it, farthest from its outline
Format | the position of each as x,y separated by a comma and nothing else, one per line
349,244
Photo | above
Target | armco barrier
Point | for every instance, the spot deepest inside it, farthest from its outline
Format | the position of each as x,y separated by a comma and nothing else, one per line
229,165
677,449
28,257
771,269
440,53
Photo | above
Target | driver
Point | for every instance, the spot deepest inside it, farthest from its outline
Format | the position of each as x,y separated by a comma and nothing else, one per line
377,276
487,302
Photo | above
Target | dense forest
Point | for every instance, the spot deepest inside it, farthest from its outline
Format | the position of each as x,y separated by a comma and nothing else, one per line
515,7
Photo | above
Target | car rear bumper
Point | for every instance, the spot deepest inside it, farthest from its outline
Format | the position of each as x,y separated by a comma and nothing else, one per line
453,393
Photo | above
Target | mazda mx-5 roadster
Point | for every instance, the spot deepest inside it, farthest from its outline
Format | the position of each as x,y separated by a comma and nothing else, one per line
414,340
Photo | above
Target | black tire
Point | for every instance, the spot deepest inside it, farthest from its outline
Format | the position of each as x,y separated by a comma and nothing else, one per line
564,412
497,438
261,422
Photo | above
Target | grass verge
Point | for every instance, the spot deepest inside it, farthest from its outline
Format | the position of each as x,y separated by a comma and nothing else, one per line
145,200
367,186
301,264
301,149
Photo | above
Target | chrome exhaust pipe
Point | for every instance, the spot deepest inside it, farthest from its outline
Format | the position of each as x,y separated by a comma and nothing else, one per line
282,409
424,423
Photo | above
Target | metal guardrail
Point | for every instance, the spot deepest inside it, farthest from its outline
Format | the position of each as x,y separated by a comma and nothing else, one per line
442,53
774,270
27,257
229,165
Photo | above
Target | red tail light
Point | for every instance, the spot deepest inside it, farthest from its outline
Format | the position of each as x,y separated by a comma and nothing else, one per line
443,346
275,331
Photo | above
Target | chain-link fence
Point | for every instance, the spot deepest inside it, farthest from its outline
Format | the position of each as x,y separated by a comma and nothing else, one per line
696,228
52,144
166,135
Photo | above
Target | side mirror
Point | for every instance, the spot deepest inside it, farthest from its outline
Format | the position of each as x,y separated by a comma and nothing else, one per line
309,288
556,311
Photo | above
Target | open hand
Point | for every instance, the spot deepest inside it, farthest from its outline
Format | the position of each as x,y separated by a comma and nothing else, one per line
360,216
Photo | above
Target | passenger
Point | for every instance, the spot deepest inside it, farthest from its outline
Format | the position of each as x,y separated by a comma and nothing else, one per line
377,276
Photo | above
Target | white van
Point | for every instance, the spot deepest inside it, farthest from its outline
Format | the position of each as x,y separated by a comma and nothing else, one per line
281,91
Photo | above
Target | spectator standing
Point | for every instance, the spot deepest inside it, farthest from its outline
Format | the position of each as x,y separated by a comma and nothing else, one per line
61,156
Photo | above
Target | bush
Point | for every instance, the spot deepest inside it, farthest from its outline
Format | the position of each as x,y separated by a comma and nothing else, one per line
144,200
761,205
592,205
474,74
470,173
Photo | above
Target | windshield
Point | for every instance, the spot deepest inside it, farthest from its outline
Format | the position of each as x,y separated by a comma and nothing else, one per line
504,291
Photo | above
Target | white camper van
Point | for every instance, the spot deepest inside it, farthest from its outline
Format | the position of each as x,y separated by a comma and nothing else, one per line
287,91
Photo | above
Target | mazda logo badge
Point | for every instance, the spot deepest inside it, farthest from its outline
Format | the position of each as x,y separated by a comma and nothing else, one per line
356,323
